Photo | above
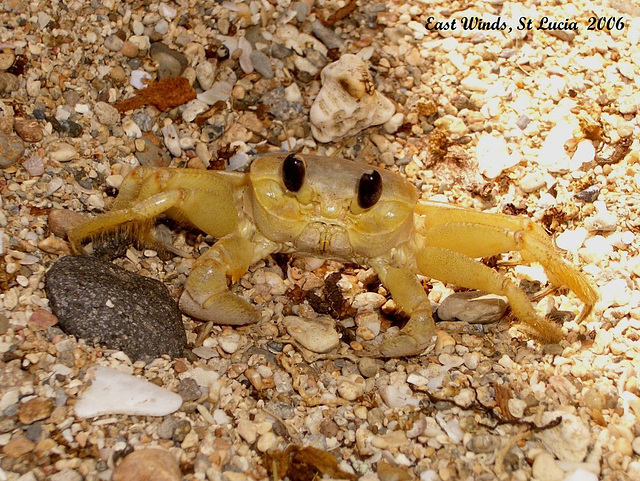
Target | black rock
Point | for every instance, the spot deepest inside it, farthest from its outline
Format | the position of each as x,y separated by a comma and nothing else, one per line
103,303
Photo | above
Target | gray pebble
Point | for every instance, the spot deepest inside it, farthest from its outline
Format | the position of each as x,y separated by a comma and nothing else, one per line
474,307
113,43
326,35
107,114
280,51
522,122
189,389
99,301
589,194
167,427
152,155
11,150
301,9
144,120
171,63
262,64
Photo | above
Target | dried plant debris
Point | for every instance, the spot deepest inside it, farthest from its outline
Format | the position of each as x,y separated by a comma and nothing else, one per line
299,463
164,94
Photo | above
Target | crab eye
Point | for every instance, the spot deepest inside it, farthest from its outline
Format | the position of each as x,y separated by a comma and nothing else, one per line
293,171
369,189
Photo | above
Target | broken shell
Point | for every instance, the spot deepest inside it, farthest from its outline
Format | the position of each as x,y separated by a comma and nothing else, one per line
348,101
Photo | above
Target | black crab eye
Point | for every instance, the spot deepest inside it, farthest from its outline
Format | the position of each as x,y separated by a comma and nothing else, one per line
369,189
293,171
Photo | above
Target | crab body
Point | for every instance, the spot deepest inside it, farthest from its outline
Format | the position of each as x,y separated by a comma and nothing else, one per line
333,208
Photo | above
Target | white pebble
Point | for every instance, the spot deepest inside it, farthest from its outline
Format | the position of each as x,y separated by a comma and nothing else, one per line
171,140
229,342
397,397
219,91
193,108
317,335
131,129
493,156
568,441
602,219
115,392
581,475
139,79
532,182
572,239
63,152
368,300
545,468
517,407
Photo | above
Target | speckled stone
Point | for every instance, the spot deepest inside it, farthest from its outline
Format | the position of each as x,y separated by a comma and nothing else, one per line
101,302
11,149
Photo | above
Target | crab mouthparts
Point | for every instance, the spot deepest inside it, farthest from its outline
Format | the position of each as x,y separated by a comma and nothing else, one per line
327,240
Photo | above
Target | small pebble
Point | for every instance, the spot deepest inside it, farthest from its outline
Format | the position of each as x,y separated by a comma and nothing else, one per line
11,150
317,335
148,464
532,182
113,43
171,63
262,64
545,468
63,152
42,319
28,130
107,114
34,410
474,307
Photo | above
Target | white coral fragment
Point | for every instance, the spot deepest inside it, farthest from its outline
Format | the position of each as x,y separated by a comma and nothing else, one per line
348,101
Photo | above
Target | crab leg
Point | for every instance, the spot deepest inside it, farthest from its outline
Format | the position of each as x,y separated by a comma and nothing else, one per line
476,234
206,295
409,295
461,270
140,215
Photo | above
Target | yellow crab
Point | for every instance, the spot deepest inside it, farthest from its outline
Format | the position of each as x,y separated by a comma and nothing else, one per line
333,208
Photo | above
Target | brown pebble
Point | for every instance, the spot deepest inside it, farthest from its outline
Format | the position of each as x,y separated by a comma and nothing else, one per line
42,319
180,366
28,130
18,447
6,125
388,472
196,163
129,49
118,74
62,220
54,245
152,464
35,410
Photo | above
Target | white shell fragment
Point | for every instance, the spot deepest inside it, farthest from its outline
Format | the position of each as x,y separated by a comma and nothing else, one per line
318,335
115,392
348,101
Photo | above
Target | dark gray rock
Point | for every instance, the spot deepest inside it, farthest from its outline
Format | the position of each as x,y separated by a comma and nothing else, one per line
103,303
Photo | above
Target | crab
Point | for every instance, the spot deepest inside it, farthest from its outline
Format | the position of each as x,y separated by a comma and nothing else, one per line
336,209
